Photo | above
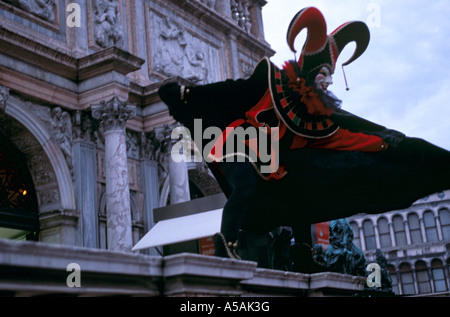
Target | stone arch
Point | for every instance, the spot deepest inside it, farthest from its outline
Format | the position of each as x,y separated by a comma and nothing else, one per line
50,173
203,179
47,164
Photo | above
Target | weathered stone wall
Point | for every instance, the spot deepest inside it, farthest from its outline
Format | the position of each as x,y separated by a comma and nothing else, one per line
59,58
37,269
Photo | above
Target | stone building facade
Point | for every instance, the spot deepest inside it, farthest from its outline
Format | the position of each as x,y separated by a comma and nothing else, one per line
79,106
85,143
415,241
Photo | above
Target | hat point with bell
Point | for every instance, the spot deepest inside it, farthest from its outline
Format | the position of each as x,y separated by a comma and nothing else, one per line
321,49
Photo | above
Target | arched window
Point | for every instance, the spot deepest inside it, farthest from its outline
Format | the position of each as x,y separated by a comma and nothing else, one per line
399,230
393,274
423,279
430,226
18,203
369,235
407,279
356,236
383,230
437,271
444,216
414,228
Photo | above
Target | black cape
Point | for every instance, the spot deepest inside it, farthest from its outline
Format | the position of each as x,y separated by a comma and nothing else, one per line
321,185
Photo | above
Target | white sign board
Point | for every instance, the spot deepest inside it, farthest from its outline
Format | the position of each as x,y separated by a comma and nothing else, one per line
182,229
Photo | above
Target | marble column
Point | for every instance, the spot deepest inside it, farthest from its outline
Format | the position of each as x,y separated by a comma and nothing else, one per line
176,163
257,25
113,115
85,171
407,232
439,227
362,238
179,181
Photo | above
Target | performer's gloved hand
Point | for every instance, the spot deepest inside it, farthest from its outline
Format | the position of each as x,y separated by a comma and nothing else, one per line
170,94
393,138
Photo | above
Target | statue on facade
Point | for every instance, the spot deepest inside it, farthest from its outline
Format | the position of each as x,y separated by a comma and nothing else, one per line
386,280
177,57
107,27
45,9
342,255
281,251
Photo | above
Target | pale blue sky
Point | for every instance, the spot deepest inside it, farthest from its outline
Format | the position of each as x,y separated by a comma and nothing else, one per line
403,79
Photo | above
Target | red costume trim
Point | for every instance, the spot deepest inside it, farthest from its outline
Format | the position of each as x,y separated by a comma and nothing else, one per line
338,140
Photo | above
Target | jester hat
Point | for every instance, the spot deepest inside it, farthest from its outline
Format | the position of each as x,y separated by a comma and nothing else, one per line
321,49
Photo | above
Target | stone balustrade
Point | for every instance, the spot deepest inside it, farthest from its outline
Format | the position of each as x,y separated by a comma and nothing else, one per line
39,269
237,10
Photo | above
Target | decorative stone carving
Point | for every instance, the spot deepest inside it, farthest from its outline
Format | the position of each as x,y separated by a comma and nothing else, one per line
41,169
386,280
83,126
149,146
113,114
59,125
48,197
342,255
204,180
45,9
107,28
178,53
161,151
241,14
172,165
132,145
4,94
246,69
153,148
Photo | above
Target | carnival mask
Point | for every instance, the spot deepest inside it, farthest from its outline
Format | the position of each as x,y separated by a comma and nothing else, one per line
323,79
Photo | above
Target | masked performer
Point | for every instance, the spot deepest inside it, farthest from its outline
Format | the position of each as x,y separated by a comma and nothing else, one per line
330,164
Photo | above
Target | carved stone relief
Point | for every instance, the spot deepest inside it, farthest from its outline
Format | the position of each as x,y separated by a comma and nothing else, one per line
108,30
113,114
44,9
41,169
132,145
149,146
4,94
177,52
161,142
84,127
59,125
246,69
204,180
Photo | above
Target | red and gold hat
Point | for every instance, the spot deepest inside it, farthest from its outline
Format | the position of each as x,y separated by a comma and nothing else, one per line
321,49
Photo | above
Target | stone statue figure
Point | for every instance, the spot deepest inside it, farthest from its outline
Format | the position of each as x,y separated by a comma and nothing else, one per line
107,28
178,54
45,9
342,255
281,253
386,280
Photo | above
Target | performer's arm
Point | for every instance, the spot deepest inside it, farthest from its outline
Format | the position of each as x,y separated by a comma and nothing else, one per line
354,123
228,98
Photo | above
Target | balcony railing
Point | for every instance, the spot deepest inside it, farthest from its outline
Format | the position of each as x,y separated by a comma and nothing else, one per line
237,10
